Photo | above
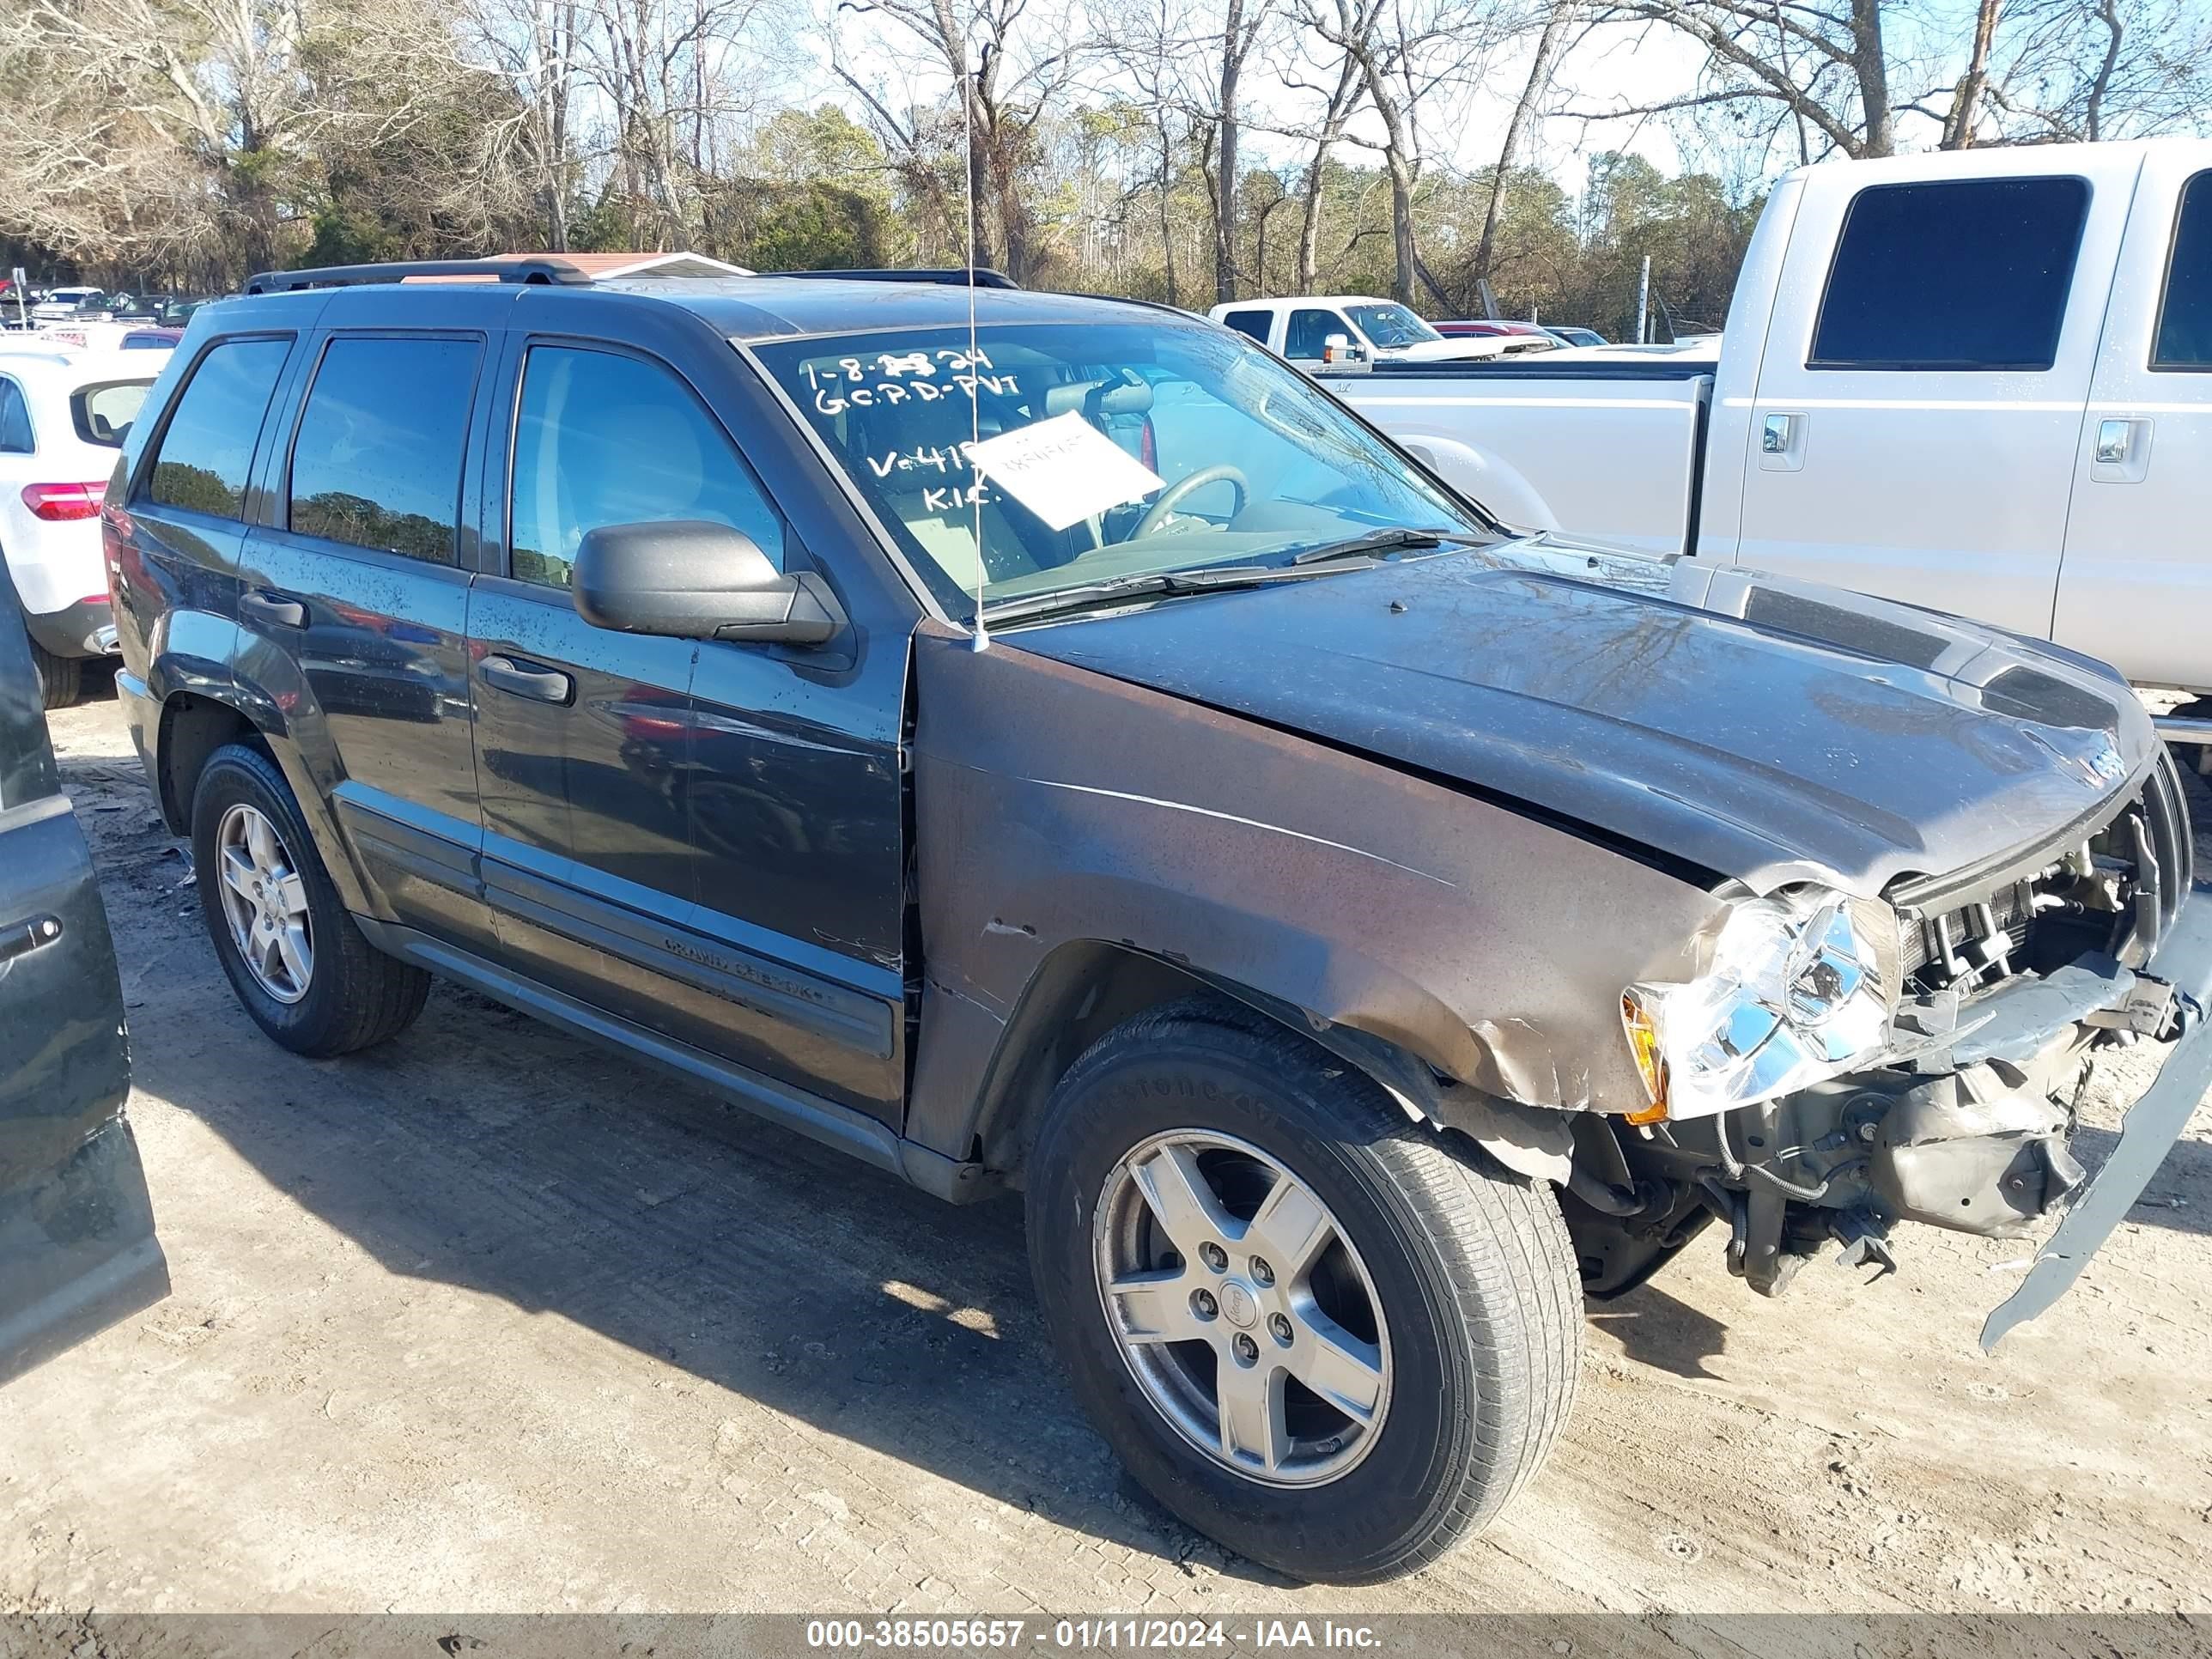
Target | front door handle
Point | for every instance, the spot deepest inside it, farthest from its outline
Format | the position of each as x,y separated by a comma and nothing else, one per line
20,938
281,608
528,679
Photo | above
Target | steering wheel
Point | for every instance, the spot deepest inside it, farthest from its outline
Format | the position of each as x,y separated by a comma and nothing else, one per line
1176,492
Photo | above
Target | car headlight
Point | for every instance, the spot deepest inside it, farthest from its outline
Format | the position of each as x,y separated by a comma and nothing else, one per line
1798,988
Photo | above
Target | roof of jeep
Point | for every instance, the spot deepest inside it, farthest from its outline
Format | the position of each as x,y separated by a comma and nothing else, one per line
767,308
789,307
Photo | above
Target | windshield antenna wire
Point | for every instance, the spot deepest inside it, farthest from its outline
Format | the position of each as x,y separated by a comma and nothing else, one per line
980,639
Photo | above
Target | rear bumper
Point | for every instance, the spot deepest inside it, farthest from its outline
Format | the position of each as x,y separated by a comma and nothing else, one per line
2152,1125
86,629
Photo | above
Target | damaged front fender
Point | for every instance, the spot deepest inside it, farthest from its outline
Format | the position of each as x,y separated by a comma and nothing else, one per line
1054,805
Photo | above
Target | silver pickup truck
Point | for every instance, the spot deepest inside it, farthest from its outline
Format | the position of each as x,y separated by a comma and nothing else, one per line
1979,381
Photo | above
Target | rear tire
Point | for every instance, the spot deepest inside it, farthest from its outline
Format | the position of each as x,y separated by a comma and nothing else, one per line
332,992
61,679
1477,1309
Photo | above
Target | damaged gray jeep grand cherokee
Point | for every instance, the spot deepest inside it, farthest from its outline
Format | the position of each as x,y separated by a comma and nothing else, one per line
1066,750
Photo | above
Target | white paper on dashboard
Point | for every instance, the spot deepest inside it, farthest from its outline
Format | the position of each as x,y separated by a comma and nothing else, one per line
1064,470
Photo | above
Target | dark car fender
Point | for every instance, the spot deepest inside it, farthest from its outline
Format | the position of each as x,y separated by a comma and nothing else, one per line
1085,844
208,682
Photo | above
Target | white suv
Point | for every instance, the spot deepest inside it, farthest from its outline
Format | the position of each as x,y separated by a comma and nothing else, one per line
62,417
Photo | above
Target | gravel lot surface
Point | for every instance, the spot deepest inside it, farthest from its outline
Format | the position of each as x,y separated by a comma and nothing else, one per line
490,1320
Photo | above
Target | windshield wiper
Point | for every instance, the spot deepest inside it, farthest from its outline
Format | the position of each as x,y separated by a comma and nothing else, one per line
1154,584
1357,553
1378,541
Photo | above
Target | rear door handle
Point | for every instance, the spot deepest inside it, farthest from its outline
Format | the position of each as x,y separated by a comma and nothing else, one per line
527,680
2122,453
1781,441
20,938
281,608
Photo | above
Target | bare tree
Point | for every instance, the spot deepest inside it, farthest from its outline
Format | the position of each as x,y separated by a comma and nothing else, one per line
234,98
1007,87
1823,64
1551,44
1344,97
1409,55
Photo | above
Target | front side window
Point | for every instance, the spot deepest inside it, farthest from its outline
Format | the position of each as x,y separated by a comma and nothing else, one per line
1253,325
208,445
102,414
1971,274
377,462
1392,327
15,437
1144,447
1307,336
2185,317
601,438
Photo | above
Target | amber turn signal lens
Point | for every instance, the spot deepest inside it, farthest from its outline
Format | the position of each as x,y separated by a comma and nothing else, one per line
1644,1044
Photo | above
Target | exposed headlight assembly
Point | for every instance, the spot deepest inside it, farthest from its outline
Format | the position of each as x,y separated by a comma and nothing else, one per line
1798,988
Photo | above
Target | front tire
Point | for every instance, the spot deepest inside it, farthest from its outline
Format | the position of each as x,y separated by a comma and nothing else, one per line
61,679
1398,1319
299,966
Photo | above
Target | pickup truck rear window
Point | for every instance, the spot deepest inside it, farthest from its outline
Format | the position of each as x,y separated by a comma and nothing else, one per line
1967,274
1253,325
2185,320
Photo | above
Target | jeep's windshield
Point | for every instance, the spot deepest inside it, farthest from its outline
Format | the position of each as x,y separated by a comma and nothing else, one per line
1108,449
1392,327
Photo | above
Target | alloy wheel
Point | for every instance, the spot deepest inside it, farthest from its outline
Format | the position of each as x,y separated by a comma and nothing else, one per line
265,903
1242,1309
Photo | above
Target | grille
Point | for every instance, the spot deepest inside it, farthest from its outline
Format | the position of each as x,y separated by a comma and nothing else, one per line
2113,885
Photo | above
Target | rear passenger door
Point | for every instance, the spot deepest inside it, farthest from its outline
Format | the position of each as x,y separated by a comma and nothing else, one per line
1921,391
2136,585
353,607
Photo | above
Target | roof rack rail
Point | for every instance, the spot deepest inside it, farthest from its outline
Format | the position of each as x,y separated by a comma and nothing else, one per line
958,276
493,270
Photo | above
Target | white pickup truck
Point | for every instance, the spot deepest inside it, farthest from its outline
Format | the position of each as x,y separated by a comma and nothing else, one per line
1312,330
1979,381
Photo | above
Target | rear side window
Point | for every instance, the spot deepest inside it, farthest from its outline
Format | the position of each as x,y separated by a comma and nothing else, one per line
1309,332
2184,319
1251,323
102,414
602,439
377,462
1969,274
209,444
15,437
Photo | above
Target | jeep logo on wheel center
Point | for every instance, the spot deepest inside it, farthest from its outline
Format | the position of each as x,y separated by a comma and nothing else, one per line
1237,1306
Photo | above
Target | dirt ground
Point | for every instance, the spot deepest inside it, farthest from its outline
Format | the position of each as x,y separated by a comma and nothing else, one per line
489,1320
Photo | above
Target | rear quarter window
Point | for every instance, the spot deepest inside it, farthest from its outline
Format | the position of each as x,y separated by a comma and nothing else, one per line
16,437
2185,317
1969,274
207,445
1251,324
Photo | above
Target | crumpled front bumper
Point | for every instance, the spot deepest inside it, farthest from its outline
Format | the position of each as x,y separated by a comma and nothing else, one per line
2183,960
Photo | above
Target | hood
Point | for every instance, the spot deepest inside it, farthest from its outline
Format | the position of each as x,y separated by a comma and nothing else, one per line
1748,725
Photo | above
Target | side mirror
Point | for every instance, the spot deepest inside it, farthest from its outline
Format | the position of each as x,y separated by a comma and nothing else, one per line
1339,349
691,579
